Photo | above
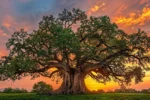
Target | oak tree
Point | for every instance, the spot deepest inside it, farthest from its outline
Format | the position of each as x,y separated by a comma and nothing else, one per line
77,45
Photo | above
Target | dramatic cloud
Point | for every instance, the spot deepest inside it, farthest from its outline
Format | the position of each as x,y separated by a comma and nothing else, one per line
135,18
129,15
26,14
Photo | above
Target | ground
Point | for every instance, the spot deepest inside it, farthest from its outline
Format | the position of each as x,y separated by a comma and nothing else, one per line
105,96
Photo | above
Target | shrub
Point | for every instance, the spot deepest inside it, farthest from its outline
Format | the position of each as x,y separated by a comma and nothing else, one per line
8,90
42,88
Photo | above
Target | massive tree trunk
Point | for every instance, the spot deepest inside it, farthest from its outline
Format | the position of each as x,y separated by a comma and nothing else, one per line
73,83
73,80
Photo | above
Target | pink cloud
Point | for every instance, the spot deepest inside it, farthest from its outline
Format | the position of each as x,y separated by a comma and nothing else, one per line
144,1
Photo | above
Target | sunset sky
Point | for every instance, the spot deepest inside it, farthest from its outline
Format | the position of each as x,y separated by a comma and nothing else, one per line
130,15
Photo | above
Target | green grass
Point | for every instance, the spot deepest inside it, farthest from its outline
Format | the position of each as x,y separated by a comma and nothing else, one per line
105,96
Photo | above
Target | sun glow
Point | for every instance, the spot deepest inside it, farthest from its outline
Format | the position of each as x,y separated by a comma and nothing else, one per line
93,85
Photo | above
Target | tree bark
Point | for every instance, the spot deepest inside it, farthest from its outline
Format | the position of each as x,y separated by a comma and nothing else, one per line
73,83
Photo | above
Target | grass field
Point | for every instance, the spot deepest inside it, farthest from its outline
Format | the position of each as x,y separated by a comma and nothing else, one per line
105,96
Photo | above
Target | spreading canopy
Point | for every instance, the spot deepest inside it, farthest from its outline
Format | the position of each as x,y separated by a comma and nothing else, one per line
94,46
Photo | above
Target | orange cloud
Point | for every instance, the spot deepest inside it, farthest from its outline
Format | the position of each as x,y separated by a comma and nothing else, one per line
98,6
8,21
139,18
2,33
6,24
10,25
121,8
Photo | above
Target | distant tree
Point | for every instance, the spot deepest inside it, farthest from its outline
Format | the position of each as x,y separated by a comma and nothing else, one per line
145,90
129,90
24,90
100,91
42,88
16,90
110,91
8,90
96,91
77,45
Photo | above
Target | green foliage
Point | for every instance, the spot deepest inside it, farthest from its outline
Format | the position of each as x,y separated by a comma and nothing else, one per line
126,91
42,88
97,92
145,90
67,39
16,90
8,90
